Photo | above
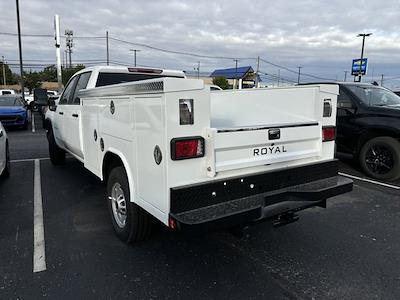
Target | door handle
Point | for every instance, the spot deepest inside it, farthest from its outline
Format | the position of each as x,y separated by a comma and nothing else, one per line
75,115
60,112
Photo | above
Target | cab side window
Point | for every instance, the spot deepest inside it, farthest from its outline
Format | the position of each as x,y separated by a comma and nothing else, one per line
66,95
82,83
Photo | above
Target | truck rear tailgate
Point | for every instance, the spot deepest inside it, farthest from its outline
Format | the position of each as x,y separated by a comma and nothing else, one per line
254,146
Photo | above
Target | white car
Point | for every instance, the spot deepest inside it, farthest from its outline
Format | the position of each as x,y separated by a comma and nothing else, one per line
7,92
4,153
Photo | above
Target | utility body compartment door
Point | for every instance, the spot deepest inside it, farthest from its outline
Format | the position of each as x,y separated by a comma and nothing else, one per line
150,142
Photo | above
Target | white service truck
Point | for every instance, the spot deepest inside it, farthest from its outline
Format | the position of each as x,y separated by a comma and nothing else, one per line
168,148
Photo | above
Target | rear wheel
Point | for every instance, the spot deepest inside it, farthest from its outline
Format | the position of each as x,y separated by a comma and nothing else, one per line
380,158
7,169
130,222
57,155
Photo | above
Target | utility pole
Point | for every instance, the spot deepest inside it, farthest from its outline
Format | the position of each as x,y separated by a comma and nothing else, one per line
69,43
345,75
108,53
198,70
298,76
4,73
258,70
66,58
363,35
134,55
279,75
381,79
21,67
58,51
235,79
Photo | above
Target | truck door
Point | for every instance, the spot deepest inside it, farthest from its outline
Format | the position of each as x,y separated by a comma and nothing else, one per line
62,107
73,118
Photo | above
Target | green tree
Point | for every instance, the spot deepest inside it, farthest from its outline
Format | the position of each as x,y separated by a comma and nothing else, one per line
32,80
221,81
67,73
49,74
10,77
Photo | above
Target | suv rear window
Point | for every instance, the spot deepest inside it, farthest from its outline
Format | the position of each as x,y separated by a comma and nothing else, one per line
115,78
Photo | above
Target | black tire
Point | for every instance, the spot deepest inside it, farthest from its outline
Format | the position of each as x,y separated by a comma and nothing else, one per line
138,222
380,158
57,155
7,170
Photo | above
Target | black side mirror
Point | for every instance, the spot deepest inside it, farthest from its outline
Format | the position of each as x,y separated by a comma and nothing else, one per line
52,104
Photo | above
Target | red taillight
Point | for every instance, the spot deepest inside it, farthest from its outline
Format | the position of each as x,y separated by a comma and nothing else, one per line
328,134
184,148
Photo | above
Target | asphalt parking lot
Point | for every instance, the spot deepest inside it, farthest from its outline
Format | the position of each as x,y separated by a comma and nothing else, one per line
348,251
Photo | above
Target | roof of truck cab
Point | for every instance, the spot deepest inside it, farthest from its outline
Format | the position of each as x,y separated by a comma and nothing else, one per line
119,69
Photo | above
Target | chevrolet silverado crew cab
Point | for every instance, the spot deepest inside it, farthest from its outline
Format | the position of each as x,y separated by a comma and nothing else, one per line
169,149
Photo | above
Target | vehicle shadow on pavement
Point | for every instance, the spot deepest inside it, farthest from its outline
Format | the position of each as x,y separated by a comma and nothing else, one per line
83,252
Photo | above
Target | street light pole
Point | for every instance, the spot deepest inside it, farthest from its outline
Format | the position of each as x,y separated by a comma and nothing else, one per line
345,75
108,51
362,53
21,67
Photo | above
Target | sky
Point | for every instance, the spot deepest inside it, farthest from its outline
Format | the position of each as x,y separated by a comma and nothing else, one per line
319,36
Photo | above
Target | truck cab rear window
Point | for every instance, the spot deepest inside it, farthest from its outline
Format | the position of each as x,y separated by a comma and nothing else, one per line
115,78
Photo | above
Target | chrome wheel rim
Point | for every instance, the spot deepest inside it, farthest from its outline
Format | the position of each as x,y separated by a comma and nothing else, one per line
379,159
118,204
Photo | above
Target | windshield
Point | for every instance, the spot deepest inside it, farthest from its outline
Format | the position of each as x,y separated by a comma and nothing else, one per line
375,96
10,101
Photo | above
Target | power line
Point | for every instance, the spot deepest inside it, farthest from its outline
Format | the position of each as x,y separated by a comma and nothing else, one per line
178,52
186,53
51,35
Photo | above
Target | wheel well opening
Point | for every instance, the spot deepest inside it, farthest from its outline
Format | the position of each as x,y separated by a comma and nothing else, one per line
373,133
110,161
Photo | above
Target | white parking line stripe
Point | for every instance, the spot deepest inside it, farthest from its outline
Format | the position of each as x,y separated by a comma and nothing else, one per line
370,181
28,159
39,254
33,122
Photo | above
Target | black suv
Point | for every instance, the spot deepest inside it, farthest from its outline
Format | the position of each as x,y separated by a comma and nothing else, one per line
368,126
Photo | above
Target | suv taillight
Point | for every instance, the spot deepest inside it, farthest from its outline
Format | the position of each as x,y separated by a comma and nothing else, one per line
187,147
328,133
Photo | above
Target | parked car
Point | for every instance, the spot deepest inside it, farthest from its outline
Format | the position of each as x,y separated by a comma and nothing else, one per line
51,93
13,111
4,153
7,92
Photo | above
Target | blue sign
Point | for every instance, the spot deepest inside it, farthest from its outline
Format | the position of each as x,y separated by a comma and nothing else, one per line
355,67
